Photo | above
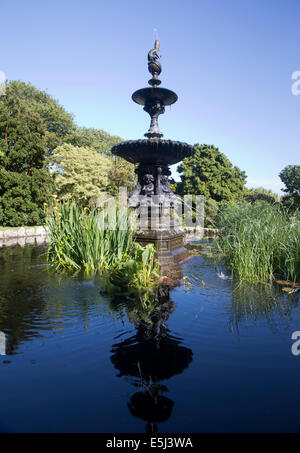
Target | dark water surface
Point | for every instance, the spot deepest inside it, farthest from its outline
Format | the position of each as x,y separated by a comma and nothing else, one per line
216,358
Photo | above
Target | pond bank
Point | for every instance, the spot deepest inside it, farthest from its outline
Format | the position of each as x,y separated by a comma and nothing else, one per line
196,234
23,235
39,235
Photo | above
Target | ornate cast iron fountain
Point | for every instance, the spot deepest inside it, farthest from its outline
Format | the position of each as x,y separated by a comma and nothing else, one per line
153,156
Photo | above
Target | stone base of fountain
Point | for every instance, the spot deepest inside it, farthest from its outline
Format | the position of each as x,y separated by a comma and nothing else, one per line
168,243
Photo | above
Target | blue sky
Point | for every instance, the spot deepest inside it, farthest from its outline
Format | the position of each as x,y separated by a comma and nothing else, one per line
229,61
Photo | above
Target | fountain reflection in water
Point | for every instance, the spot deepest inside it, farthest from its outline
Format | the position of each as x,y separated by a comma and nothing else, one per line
150,356
2,343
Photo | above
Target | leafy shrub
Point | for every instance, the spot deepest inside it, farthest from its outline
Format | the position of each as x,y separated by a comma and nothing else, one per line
22,197
259,193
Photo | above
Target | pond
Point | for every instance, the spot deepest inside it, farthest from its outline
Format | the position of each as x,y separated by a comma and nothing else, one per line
216,358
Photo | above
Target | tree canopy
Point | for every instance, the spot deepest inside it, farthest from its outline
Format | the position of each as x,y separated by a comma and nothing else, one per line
25,183
97,139
58,123
34,133
80,173
121,172
260,193
290,176
210,173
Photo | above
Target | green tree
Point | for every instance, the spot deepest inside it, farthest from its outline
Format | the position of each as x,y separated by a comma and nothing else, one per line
33,125
80,173
25,184
210,173
121,175
59,124
121,172
290,176
97,139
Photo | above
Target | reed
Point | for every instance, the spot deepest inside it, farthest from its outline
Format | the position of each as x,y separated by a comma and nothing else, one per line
82,239
260,242
77,241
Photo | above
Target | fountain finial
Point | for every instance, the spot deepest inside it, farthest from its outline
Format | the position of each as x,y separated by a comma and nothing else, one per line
154,99
154,65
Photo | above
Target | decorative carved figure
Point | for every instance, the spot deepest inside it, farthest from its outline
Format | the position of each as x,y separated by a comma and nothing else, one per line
164,181
148,188
134,197
154,65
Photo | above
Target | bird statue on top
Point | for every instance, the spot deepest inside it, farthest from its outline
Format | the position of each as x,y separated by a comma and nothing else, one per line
154,65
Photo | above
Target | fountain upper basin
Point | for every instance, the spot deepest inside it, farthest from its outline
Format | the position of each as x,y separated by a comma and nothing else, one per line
148,95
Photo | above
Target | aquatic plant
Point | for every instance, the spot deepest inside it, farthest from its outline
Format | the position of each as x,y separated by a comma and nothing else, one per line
92,241
260,241
78,242
139,273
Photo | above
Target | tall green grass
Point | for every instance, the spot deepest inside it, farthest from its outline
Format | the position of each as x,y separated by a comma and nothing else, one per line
260,242
78,241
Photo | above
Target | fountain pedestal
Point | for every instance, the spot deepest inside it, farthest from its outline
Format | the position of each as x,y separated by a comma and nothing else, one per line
168,243
153,156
